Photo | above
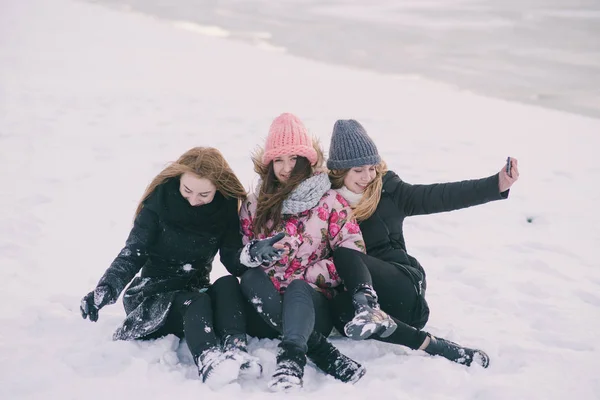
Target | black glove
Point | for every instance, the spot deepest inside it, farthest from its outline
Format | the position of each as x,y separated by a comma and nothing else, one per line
94,301
263,250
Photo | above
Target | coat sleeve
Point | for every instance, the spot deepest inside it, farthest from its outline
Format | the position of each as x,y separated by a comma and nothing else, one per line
343,230
440,197
247,219
231,245
133,256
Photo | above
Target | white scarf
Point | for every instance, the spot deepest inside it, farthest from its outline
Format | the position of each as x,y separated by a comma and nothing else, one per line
352,198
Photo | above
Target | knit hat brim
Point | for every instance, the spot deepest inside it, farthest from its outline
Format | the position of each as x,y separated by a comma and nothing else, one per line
299,150
374,159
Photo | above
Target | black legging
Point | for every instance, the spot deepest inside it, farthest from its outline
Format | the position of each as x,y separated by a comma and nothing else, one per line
203,318
295,314
396,292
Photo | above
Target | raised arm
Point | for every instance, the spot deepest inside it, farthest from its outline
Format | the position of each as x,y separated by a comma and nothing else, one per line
440,197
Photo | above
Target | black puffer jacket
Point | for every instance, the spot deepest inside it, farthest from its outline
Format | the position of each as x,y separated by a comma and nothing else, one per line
383,231
174,245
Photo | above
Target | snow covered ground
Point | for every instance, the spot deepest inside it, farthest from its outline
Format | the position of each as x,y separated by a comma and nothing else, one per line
94,102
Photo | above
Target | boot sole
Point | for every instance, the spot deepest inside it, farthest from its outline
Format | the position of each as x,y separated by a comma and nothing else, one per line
482,358
281,385
358,376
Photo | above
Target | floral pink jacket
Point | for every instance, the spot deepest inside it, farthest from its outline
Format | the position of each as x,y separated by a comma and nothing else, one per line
311,237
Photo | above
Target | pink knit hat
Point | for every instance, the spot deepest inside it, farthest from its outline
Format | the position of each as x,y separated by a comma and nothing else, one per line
288,136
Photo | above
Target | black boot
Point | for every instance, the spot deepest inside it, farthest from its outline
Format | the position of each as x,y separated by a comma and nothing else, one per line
455,352
238,344
290,368
217,367
369,319
329,360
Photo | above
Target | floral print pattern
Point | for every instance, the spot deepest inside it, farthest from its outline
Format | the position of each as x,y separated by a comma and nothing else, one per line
311,237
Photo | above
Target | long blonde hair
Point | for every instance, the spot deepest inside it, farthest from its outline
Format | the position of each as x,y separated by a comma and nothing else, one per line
372,194
272,193
204,162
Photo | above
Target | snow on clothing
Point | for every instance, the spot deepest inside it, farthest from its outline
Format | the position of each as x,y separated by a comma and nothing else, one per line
204,318
174,245
398,297
384,238
312,233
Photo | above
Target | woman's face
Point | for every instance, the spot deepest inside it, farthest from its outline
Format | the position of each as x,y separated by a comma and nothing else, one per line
283,166
197,191
358,178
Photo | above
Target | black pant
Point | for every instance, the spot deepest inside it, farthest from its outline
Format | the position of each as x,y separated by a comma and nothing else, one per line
395,289
294,315
204,318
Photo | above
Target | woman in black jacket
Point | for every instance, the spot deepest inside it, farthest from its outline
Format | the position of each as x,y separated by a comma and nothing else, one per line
188,213
391,283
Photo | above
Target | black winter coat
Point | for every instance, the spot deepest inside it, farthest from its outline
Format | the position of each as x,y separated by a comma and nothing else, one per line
383,231
174,245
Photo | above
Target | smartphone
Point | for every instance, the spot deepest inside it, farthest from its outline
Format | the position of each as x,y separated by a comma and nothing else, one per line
508,166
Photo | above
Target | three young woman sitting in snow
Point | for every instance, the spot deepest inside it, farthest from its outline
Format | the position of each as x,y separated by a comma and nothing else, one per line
305,262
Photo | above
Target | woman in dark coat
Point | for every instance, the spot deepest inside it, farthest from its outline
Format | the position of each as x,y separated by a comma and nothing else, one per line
390,281
188,213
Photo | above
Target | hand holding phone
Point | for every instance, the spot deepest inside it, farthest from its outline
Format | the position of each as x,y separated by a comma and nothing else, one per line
508,174
508,166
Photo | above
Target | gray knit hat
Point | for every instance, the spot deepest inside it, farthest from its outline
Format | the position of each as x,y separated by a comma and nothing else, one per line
351,146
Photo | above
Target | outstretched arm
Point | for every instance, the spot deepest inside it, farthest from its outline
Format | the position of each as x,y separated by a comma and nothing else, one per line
440,197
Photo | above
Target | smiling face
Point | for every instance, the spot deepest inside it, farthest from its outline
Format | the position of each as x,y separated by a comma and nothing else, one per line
197,191
283,167
358,178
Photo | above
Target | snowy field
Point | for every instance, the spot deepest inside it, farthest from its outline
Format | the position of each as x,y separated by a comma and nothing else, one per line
94,102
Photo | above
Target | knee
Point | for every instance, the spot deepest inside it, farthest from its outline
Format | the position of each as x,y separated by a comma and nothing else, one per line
299,289
299,285
226,282
251,278
341,254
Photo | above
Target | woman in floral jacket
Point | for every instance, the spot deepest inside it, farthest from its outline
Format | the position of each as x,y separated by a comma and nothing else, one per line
289,288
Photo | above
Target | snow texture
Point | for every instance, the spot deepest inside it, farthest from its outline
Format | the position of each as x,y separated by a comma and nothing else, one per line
94,102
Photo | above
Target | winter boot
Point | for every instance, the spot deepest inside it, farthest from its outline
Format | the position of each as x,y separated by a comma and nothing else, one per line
329,360
251,367
455,352
369,319
218,368
290,369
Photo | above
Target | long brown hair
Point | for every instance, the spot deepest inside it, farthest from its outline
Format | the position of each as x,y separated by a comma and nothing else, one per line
272,193
204,162
370,199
